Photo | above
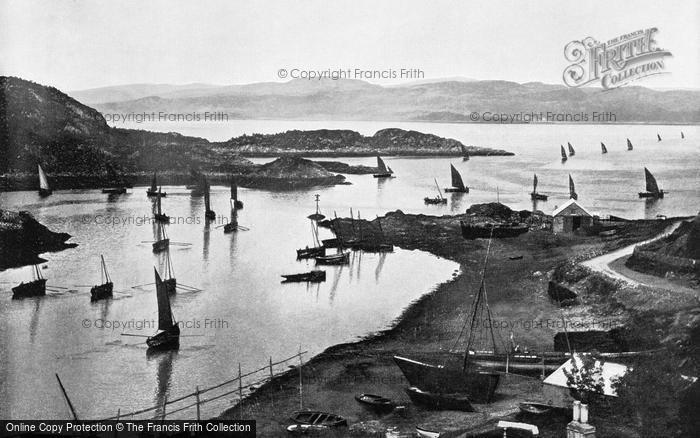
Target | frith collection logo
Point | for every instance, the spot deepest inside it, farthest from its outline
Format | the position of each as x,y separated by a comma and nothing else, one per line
616,62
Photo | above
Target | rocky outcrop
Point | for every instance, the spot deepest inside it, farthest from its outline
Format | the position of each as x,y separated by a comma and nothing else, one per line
289,172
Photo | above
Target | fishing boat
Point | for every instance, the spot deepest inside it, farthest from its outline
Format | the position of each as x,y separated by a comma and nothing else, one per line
104,289
375,402
534,195
563,153
169,281
449,377
317,216
233,223
465,153
154,190
237,204
439,199
440,401
44,189
159,216
572,189
457,183
162,243
603,149
168,334
341,257
315,276
118,187
209,214
658,137
498,230
652,187
535,408
34,288
682,135
318,418
629,145
315,251
382,170
572,152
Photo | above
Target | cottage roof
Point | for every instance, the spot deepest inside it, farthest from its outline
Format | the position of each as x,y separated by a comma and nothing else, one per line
611,371
571,204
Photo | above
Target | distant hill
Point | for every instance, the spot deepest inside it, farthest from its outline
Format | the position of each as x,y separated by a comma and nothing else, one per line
444,101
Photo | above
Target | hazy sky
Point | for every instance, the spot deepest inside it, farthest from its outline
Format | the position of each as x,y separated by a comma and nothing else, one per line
83,44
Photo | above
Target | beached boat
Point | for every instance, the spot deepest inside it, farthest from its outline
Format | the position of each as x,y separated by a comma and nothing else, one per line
629,145
572,152
658,137
382,170
563,153
423,432
159,216
652,187
603,149
209,214
34,288
534,195
315,251
162,242
478,385
105,288
317,216
305,277
465,153
440,401
572,189
457,183
318,418
44,189
535,408
168,335
439,199
498,230
375,402
154,190
237,204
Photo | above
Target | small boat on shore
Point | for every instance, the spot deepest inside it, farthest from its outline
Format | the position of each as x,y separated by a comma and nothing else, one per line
572,189
318,418
105,288
382,170
34,288
603,149
237,204
652,187
465,153
209,214
423,432
168,334
572,152
534,195
317,216
154,190
457,183
375,402
315,276
44,189
440,401
563,154
439,199
159,216
315,251
535,408
629,145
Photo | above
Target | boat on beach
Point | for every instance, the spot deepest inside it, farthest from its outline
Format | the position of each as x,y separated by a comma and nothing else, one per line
652,187
603,149
457,183
382,170
44,189
315,276
375,402
440,401
168,334
318,418
535,408
563,153
34,288
154,190
534,195
572,152
105,288
439,199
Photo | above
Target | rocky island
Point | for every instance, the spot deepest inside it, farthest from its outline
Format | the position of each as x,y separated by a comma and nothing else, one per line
290,172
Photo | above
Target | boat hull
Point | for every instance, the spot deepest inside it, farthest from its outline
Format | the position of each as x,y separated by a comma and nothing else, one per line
309,253
165,340
308,277
36,288
230,228
654,195
114,191
484,232
101,292
161,245
237,204
479,385
45,192
456,190
383,175
335,259
446,402
538,196
155,194
317,418
375,402
435,201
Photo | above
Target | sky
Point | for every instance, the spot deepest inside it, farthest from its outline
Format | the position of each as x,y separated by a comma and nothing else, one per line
78,44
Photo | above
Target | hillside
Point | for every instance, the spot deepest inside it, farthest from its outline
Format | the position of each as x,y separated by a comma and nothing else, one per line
444,101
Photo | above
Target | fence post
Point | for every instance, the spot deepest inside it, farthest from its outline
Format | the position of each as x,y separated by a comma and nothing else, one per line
197,395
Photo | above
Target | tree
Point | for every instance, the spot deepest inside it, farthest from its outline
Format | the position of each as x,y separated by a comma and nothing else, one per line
585,380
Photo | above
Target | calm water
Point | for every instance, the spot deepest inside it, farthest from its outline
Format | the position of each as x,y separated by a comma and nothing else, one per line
242,313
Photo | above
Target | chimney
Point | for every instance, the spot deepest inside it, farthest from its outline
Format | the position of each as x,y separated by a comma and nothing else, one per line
579,427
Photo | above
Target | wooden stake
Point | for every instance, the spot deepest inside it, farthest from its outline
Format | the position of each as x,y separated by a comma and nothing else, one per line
197,396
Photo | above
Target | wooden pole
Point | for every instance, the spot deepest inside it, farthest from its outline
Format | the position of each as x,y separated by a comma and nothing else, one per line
65,394
301,394
240,391
197,396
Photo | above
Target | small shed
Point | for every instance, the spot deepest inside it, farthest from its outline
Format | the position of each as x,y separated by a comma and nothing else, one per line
570,217
556,390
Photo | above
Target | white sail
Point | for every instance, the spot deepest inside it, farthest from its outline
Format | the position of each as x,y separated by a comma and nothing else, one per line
43,181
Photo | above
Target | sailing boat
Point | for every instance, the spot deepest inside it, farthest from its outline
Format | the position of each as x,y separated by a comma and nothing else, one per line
534,195
208,212
563,153
658,137
340,257
233,224
382,170
603,149
168,335
572,189
103,290
35,288
170,282
572,152
629,145
465,153
682,135
476,383
316,216
154,190
115,179
159,216
439,199
457,183
44,189
234,196
652,187
163,242
316,250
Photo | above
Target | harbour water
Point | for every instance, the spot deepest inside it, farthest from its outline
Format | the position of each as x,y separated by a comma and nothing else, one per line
242,313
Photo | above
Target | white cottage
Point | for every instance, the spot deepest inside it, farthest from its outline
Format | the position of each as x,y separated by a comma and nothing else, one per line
570,217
